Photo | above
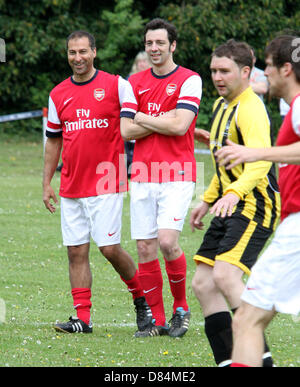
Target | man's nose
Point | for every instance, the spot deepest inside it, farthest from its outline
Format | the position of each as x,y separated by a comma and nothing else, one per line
217,76
154,47
77,57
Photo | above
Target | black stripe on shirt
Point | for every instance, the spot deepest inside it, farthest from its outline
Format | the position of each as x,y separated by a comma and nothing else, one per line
54,134
187,106
127,114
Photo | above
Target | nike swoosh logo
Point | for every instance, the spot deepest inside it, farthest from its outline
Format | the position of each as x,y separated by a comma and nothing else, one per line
176,282
111,233
67,100
143,91
177,219
251,288
150,290
76,306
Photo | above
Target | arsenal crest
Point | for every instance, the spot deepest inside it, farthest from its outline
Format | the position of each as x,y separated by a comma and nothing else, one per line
171,88
99,94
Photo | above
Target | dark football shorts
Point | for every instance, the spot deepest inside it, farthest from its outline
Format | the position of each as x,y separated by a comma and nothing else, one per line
234,239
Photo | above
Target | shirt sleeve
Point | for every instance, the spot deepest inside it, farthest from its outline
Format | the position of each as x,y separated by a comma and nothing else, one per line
127,99
54,127
190,94
296,116
212,192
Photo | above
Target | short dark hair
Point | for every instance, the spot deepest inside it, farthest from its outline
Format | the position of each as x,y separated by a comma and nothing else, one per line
282,49
157,24
82,34
239,52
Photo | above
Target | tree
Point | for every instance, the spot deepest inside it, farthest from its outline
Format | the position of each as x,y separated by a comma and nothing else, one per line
203,25
124,37
35,33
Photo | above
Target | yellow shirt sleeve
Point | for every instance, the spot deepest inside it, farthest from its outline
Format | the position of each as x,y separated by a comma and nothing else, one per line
212,192
255,130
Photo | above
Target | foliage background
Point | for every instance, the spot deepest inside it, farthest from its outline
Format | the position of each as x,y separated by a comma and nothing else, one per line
35,33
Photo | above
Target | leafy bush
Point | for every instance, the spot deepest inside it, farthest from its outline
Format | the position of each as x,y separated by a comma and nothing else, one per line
35,33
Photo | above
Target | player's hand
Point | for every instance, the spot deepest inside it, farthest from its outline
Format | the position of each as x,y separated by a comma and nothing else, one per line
235,154
202,135
197,214
48,195
224,206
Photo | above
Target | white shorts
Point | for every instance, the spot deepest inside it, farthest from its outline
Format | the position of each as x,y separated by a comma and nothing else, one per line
275,279
96,217
155,206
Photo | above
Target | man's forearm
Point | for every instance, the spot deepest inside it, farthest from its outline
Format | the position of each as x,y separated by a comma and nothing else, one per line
174,125
133,131
163,124
289,154
51,158
233,154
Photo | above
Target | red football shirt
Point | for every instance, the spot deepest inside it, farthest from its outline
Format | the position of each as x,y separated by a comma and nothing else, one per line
289,175
87,115
157,157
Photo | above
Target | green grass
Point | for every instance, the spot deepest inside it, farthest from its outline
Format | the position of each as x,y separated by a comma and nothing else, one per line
35,288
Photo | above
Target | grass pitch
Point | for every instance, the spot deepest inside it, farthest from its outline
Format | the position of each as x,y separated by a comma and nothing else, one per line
35,290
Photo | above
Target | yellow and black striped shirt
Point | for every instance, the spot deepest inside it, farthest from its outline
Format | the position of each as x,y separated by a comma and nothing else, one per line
245,121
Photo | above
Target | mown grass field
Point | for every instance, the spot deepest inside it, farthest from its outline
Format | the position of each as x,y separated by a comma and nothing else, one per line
35,290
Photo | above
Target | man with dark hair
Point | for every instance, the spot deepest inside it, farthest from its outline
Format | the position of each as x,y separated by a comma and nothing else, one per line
84,121
82,34
274,284
285,49
245,201
163,172
161,24
237,51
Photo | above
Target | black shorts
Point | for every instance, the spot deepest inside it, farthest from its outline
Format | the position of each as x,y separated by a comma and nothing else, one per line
234,239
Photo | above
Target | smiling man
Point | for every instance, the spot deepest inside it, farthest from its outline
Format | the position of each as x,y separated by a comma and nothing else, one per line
84,121
163,172
245,200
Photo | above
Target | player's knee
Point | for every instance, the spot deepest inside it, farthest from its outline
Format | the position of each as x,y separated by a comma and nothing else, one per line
169,247
201,284
225,280
166,247
249,318
110,252
245,319
78,254
147,249
196,285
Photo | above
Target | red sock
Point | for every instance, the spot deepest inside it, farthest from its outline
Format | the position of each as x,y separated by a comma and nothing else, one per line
152,283
236,365
82,303
134,286
176,271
